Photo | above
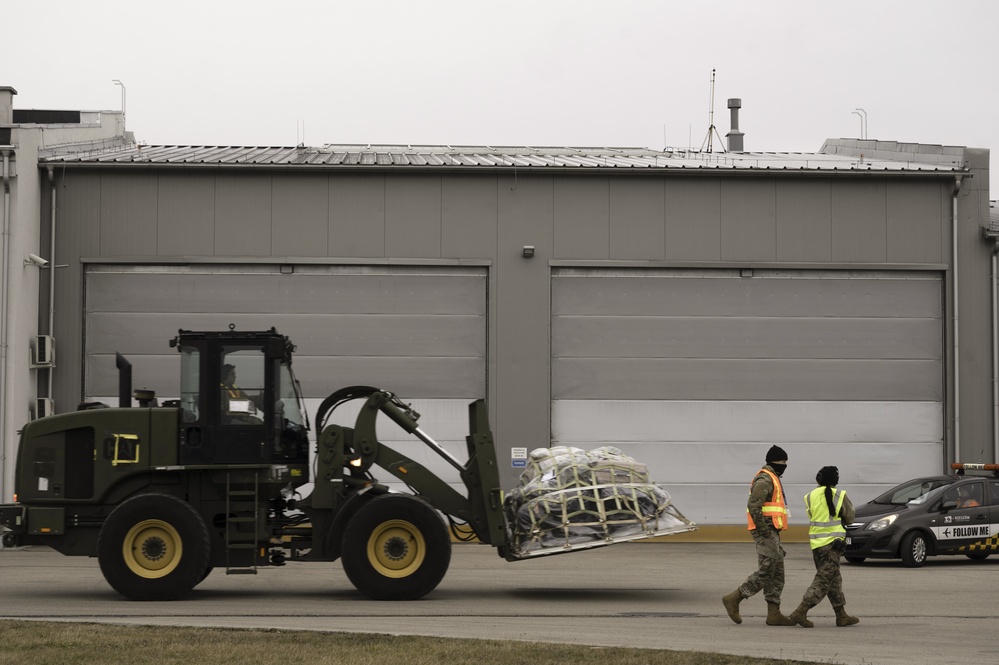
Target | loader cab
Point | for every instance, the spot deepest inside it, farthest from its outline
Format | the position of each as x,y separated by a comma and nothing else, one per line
239,401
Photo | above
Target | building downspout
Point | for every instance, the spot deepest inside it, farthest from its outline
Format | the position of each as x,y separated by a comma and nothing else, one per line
995,354
52,273
991,234
957,335
4,288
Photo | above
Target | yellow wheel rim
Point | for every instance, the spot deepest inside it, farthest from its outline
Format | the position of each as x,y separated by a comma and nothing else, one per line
152,549
396,549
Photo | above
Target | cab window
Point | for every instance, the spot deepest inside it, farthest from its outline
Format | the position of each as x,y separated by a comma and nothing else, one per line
966,495
190,378
914,492
242,386
994,492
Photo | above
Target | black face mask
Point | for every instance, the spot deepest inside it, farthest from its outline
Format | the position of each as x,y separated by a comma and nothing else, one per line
778,468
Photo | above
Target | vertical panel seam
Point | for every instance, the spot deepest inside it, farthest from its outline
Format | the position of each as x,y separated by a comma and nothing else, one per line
607,198
215,214
329,213
156,217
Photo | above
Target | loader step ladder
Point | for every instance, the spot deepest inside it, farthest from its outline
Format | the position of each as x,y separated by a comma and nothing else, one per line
242,507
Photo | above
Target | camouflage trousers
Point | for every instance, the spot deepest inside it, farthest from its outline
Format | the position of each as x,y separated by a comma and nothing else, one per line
769,575
827,581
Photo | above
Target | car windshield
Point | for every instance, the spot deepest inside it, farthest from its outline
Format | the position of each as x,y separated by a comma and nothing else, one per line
914,491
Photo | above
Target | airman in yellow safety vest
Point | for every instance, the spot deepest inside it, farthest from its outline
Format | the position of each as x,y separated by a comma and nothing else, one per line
829,511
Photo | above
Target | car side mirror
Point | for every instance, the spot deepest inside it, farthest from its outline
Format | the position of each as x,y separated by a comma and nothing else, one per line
950,504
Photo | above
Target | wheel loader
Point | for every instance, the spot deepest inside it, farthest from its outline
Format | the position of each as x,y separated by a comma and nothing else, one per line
163,494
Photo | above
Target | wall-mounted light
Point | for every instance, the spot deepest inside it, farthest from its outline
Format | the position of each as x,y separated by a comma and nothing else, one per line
528,251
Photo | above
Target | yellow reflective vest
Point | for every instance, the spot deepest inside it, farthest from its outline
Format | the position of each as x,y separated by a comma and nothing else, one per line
823,528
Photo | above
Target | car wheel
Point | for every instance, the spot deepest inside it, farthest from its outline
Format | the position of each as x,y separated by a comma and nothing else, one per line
914,549
978,556
855,559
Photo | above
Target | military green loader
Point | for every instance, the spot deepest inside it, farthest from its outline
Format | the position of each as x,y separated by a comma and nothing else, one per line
163,494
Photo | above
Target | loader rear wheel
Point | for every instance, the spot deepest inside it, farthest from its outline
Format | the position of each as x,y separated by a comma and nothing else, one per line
396,548
153,547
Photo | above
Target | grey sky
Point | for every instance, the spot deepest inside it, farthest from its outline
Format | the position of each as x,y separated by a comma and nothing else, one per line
536,72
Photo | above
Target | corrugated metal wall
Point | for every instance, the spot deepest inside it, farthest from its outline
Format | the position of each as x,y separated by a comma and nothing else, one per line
136,216
698,372
418,332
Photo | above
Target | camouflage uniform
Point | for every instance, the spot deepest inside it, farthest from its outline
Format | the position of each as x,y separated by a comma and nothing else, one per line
828,581
770,574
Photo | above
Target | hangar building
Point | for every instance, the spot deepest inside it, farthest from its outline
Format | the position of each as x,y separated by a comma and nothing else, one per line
689,308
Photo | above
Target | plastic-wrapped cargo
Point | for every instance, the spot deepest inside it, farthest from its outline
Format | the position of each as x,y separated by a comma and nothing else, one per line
568,498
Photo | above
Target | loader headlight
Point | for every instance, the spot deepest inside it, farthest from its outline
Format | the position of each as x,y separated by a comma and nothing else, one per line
356,462
882,523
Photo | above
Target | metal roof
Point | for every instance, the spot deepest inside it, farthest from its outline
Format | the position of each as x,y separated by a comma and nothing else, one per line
473,158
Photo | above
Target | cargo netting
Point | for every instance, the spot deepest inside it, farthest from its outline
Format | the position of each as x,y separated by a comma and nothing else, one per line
568,498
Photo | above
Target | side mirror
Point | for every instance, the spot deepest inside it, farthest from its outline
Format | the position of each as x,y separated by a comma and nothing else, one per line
950,504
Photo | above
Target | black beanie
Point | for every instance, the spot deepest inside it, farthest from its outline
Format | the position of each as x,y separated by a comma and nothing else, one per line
827,475
776,453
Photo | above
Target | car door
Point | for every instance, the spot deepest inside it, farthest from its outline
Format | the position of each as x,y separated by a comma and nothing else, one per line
966,527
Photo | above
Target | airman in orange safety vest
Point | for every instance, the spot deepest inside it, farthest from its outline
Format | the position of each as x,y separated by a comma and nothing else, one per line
766,516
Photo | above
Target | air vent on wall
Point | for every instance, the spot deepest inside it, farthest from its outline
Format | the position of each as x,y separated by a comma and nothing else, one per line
44,407
44,351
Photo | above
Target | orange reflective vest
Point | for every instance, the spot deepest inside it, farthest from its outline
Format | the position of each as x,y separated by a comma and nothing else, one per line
775,508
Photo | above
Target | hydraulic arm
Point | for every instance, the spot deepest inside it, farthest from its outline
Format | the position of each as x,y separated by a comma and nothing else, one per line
345,456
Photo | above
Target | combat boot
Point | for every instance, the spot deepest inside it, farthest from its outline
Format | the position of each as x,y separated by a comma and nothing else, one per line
775,618
844,619
731,603
800,616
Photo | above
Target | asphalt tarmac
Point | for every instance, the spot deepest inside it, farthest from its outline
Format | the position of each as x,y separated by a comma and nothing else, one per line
648,595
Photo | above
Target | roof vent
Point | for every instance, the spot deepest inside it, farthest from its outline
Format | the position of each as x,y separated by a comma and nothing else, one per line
735,136
7,104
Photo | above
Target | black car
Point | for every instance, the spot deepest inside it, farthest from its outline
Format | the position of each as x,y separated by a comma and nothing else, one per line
923,517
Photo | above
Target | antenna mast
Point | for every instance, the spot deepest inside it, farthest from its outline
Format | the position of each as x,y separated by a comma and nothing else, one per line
712,132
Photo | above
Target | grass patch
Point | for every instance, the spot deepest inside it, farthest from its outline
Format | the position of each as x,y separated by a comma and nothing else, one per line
56,643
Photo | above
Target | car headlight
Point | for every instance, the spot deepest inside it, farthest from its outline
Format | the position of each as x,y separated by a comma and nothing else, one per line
882,523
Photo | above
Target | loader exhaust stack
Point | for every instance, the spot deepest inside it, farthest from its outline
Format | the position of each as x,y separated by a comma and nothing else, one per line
124,380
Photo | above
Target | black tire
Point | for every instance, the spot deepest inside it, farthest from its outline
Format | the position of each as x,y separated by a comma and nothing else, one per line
395,548
855,559
914,549
204,576
978,556
153,547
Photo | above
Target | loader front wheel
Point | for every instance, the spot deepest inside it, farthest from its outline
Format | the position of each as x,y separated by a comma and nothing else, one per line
396,548
153,547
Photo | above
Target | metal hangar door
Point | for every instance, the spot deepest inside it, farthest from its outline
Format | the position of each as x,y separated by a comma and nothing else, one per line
698,372
417,331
